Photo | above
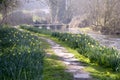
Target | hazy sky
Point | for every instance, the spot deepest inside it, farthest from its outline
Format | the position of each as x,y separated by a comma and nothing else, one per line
32,5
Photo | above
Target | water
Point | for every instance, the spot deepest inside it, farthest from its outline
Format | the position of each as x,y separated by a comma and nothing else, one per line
105,40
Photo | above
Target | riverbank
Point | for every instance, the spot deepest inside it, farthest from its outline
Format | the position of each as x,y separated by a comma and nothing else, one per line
112,41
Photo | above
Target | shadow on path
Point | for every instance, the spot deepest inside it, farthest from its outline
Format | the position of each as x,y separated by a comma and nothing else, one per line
73,65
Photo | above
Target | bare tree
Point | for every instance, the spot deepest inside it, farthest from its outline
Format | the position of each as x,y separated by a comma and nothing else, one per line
60,10
6,6
105,14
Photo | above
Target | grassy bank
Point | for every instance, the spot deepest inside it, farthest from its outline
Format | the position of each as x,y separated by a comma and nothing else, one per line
21,55
89,51
88,47
97,71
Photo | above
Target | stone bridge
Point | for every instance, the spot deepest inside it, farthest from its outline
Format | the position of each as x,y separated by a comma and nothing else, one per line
53,26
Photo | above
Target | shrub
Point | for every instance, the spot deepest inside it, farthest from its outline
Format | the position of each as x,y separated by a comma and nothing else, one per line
21,56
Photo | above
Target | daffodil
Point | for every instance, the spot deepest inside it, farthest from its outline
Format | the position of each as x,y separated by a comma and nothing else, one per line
92,46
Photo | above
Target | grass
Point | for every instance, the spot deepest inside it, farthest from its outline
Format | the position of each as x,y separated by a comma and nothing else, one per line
53,68
98,72
21,55
88,47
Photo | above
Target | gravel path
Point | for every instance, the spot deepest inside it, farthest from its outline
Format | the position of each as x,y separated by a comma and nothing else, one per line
73,65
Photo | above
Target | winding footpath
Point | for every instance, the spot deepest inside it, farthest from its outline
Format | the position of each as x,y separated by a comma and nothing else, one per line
72,64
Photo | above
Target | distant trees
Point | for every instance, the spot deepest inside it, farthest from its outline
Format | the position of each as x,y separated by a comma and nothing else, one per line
60,10
105,15
19,17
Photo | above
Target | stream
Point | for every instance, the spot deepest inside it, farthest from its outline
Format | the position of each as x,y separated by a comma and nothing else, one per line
105,40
